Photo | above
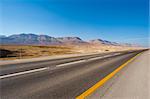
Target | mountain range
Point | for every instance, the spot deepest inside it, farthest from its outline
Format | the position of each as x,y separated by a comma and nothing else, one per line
33,39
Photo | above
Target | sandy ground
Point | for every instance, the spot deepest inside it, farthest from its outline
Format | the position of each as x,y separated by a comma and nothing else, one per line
23,51
28,51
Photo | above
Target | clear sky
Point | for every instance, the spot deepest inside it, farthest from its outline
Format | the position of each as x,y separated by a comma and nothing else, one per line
114,20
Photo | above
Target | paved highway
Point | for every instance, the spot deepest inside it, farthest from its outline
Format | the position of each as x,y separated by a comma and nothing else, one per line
58,79
19,67
132,82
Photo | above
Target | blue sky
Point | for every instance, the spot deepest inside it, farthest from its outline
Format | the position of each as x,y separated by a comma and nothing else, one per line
114,20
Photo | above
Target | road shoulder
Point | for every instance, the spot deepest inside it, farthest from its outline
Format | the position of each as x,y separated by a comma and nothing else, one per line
132,82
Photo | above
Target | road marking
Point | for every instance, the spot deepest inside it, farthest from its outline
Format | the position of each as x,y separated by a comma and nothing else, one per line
107,56
80,61
96,58
117,54
104,80
22,73
61,65
70,63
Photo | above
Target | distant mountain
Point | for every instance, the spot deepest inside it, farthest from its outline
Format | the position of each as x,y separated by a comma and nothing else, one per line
71,40
29,39
127,44
2,36
33,39
102,42
96,41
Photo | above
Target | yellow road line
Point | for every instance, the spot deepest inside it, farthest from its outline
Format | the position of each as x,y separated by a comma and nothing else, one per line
101,82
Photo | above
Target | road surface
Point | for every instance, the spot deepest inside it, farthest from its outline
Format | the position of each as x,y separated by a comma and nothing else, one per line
58,79
132,82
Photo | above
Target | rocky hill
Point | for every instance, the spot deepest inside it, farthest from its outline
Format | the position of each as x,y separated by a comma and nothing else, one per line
33,39
103,42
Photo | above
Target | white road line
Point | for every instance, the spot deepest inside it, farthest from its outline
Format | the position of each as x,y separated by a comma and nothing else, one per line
107,56
117,54
111,55
71,63
21,73
95,58
80,61
45,68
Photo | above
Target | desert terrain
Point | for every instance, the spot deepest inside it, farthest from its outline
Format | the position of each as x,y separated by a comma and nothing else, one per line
9,52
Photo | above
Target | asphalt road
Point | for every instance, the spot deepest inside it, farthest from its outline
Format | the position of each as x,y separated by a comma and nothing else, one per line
60,81
19,67
132,82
